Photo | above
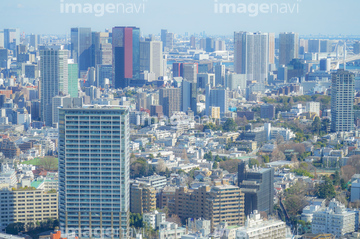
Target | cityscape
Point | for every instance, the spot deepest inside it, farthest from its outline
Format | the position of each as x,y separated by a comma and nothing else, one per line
127,128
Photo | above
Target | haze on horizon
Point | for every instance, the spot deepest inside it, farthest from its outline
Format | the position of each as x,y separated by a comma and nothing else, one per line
327,17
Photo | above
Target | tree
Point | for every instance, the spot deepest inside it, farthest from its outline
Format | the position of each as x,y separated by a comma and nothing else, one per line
15,228
161,166
175,219
215,165
316,125
347,172
326,190
217,158
230,125
253,162
354,161
325,125
230,165
208,156
136,220
336,178
266,158
49,163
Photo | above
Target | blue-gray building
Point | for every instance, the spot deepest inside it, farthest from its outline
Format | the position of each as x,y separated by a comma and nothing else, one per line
94,170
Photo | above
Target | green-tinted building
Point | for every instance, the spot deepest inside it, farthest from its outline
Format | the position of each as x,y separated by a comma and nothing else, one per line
73,79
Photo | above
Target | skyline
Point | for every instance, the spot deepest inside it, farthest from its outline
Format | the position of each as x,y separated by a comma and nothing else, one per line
313,18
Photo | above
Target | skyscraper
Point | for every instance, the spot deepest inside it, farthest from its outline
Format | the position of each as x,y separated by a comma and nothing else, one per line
189,72
11,38
271,48
189,96
94,170
126,55
81,41
220,74
342,101
164,33
73,80
289,47
192,42
251,55
53,79
151,57
34,41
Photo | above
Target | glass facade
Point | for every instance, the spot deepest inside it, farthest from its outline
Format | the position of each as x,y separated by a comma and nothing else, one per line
94,170
81,41
73,80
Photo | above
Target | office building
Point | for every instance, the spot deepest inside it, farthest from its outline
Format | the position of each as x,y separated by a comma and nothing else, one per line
251,55
1,39
4,58
271,48
11,38
236,81
258,228
169,41
289,47
81,41
94,169
192,42
210,44
220,74
126,55
189,96
27,206
164,33
142,198
151,57
170,99
73,80
34,41
325,64
216,97
342,101
313,107
335,219
258,187
53,79
267,111
356,47
189,72
103,75
204,79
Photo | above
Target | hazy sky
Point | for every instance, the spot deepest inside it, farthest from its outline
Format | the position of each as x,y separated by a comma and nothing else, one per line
180,16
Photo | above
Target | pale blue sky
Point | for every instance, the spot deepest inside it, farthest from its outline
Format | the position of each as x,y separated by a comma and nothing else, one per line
193,16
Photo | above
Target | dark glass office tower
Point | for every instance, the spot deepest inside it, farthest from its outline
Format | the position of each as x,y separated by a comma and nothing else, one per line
126,55
81,42
258,186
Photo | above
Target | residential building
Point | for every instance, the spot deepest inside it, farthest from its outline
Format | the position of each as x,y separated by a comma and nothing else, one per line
217,97
154,219
73,80
94,156
257,228
156,181
334,219
142,198
53,79
289,47
251,55
342,101
313,107
170,230
27,206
